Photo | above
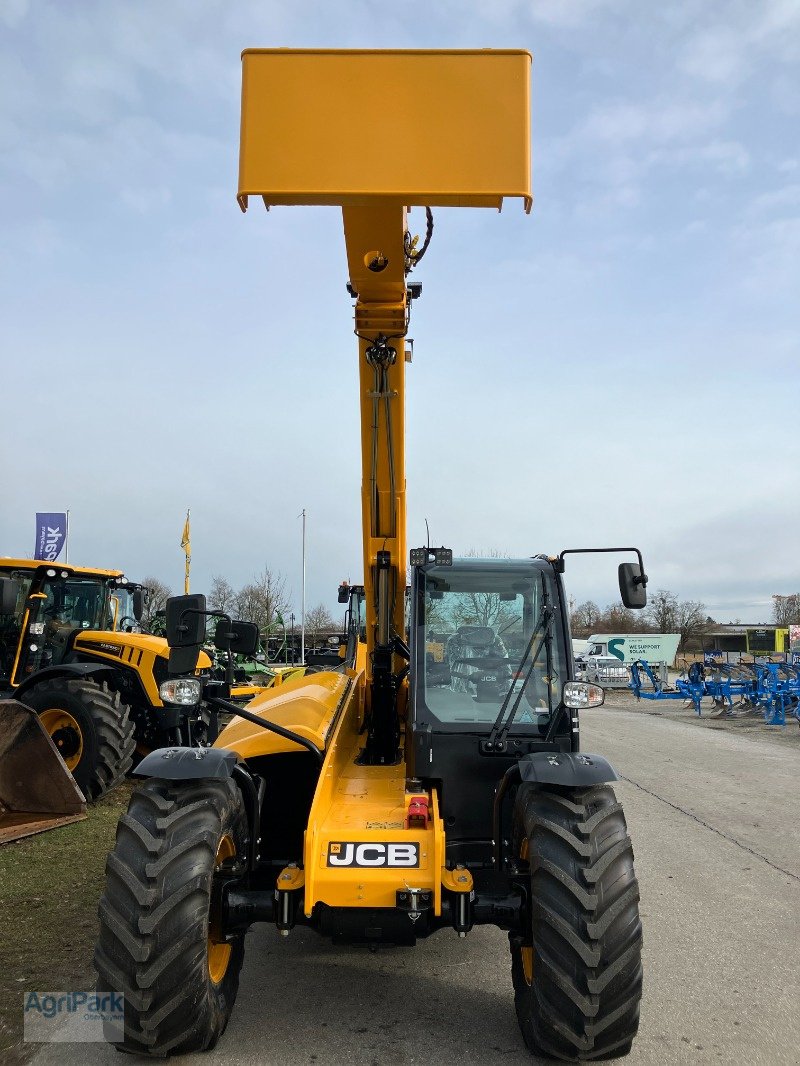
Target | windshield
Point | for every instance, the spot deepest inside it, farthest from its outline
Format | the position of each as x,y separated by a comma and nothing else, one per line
121,609
22,579
11,624
478,621
78,603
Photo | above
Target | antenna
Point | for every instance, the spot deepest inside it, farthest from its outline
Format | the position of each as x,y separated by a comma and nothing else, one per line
427,535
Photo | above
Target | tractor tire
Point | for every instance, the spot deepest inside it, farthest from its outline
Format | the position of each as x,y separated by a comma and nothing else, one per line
90,727
577,969
157,944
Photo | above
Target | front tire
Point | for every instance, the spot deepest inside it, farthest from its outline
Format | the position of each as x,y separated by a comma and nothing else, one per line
577,968
158,945
90,727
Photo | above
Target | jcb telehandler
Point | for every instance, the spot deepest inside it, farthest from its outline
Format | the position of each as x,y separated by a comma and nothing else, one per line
71,649
435,780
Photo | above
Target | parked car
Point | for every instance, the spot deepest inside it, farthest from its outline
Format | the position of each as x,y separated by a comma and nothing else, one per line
604,670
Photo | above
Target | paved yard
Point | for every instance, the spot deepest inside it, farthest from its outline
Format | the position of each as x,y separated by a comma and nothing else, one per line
713,815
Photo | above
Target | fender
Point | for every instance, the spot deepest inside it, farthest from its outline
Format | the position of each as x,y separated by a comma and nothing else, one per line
195,764
187,764
68,670
571,769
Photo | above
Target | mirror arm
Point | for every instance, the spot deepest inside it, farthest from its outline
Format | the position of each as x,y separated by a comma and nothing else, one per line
228,652
558,562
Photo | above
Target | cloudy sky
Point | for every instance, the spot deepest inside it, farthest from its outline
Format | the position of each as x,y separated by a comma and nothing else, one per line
622,366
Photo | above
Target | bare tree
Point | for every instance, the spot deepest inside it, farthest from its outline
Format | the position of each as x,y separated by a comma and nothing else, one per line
584,618
155,600
222,596
668,614
481,609
477,608
691,622
263,599
435,616
662,611
587,619
619,619
786,610
319,620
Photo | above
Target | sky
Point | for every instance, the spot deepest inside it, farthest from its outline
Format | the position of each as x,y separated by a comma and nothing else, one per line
620,367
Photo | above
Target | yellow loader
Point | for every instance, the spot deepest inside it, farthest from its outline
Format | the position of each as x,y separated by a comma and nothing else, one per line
435,780
71,649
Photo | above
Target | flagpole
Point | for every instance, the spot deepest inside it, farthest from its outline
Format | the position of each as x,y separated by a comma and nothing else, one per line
303,604
187,550
66,540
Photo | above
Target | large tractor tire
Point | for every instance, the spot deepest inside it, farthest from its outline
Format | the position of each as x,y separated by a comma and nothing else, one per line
577,968
159,943
90,727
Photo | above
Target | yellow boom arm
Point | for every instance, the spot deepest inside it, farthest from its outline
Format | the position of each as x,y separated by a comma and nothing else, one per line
377,132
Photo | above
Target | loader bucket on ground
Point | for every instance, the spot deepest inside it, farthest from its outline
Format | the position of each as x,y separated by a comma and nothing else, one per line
37,791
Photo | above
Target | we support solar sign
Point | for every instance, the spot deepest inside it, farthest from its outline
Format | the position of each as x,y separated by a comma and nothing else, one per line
51,532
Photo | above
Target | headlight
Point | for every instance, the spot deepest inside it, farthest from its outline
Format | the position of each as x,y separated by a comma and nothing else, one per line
183,690
579,694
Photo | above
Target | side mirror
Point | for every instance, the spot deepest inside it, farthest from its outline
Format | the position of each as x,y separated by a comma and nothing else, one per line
239,638
9,591
138,604
186,631
632,586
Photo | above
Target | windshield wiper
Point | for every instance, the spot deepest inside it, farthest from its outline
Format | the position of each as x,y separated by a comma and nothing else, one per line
505,716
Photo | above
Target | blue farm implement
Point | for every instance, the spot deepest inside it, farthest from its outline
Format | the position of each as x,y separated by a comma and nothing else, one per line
770,689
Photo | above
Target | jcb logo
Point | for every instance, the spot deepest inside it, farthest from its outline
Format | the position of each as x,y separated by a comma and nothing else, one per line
372,854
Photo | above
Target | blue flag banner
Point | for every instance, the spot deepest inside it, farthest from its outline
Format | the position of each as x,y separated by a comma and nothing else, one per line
51,532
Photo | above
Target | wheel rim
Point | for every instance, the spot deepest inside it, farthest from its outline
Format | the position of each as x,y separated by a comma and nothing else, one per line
527,964
526,953
219,953
65,733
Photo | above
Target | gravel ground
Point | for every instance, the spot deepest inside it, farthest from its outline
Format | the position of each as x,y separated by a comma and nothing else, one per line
752,725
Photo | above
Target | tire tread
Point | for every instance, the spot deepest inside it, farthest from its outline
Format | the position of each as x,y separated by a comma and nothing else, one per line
583,1003
112,745
154,916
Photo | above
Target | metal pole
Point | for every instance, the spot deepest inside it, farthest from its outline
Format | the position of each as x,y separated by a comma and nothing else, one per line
187,550
66,540
188,559
303,605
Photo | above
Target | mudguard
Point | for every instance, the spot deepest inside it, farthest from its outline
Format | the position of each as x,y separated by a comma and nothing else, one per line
187,764
572,769
68,670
